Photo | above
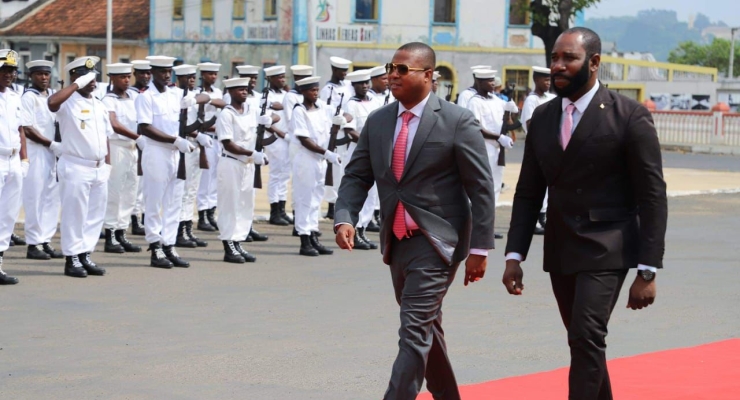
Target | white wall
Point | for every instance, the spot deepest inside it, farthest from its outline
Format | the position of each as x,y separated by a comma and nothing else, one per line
8,9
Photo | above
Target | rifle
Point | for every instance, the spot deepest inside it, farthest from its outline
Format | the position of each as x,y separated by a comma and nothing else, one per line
203,158
329,178
260,135
182,133
387,97
331,94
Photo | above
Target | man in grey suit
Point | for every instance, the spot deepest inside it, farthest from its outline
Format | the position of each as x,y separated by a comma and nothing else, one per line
430,165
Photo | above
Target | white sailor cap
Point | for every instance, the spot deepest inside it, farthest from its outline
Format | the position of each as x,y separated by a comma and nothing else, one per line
362,75
309,82
436,75
339,62
541,70
275,70
39,65
184,69
161,61
475,67
302,70
141,65
248,70
497,82
208,67
236,82
484,74
8,58
377,71
82,65
119,69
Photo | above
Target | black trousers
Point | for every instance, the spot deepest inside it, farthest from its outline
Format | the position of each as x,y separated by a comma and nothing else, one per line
420,280
586,301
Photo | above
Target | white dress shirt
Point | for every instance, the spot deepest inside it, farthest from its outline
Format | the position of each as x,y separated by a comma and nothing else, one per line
84,124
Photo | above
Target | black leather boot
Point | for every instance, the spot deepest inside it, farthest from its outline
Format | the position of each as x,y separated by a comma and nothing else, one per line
330,211
111,243
53,253
360,243
306,247
183,240
318,246
203,223
74,268
4,278
123,240
372,227
211,214
295,232
17,240
245,254
36,252
137,229
370,243
174,258
159,259
281,207
189,229
257,237
376,217
89,265
231,254
275,217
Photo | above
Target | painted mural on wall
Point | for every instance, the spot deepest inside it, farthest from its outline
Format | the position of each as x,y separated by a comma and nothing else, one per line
328,30
681,102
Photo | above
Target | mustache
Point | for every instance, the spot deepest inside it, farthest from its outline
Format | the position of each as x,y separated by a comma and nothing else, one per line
560,75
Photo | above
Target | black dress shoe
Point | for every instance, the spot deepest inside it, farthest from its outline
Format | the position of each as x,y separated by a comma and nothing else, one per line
174,258
36,252
137,229
90,266
330,211
257,237
372,227
53,253
123,240
245,254
360,243
248,239
370,243
158,258
318,246
183,240
74,268
198,242
4,278
231,254
203,224
306,247
317,233
498,236
111,244
17,240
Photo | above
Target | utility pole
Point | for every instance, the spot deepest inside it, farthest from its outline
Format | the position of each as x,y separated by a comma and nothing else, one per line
311,25
732,52
109,33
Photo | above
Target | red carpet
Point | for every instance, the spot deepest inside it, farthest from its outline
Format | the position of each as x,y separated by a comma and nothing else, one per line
710,371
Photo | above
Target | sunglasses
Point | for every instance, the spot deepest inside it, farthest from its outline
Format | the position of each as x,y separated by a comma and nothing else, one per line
402,69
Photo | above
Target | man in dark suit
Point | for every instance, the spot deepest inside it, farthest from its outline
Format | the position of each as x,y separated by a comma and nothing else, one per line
430,164
607,206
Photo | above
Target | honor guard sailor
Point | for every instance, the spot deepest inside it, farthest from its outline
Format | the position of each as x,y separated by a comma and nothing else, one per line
84,165
41,199
379,86
142,77
464,97
207,190
294,96
279,153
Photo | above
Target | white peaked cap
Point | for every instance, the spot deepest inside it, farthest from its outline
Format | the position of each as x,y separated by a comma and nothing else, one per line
484,74
497,82
436,75
361,75
161,61
88,62
236,82
119,69
302,70
308,81
339,62
274,70
9,57
541,70
378,71
248,70
475,67
208,67
40,65
141,65
184,69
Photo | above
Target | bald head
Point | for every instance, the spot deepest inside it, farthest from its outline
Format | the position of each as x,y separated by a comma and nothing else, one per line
424,54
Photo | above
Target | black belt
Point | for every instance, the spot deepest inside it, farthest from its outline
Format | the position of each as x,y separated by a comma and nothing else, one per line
233,158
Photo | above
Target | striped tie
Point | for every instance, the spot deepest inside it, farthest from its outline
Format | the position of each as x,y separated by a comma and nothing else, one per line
397,164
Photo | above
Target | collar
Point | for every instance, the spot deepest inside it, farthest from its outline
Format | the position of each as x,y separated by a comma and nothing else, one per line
582,103
417,109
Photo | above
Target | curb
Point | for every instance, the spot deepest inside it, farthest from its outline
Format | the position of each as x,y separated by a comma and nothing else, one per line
701,149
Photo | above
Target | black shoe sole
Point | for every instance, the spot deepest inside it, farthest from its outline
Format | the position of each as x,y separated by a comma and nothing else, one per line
187,245
39,258
163,266
75,275
309,254
234,260
114,251
206,228
132,249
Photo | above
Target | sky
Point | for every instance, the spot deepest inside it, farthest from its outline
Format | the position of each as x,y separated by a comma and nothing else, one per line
717,10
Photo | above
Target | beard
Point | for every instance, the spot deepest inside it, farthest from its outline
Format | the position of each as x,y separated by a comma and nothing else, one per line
575,83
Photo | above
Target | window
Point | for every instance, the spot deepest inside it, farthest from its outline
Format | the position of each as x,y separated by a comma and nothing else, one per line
519,78
240,9
177,9
444,83
206,9
366,10
270,9
519,12
444,11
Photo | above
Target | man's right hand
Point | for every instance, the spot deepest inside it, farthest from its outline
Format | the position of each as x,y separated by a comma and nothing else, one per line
183,145
56,148
85,80
513,276
345,236
506,141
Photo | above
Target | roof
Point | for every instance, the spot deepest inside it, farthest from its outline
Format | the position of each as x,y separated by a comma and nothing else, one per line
63,18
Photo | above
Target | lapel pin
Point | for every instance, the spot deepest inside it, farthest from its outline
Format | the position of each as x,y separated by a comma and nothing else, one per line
601,106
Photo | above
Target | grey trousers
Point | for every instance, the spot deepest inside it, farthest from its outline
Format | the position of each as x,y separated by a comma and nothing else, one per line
420,280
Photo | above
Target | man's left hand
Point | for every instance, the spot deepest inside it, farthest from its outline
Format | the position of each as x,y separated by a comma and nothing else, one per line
642,293
475,268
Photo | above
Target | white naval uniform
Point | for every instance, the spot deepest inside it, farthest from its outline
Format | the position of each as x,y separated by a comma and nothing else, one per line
359,110
382,96
333,91
124,182
236,173
490,113
207,190
139,204
465,96
163,199
309,168
193,172
84,125
278,153
11,174
530,103
40,187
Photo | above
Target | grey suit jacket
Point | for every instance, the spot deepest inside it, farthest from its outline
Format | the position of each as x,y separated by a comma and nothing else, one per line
446,185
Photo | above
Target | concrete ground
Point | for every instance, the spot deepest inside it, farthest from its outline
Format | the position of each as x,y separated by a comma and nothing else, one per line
291,327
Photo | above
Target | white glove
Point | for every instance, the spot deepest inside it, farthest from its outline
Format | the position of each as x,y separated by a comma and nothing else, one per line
25,165
339,120
259,158
188,102
85,80
332,157
183,145
506,141
141,142
265,120
204,140
511,107
56,148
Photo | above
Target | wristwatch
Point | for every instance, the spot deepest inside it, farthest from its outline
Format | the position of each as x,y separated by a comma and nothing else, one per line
646,275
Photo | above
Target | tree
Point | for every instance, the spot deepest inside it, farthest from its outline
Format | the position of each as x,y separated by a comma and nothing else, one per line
715,54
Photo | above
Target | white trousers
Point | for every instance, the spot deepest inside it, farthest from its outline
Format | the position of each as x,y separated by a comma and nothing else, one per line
41,195
139,205
208,187
308,190
497,171
11,186
279,170
332,192
122,186
192,175
163,194
544,203
84,192
368,209
235,199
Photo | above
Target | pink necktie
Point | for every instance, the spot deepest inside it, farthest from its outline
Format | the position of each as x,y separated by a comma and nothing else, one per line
397,164
567,129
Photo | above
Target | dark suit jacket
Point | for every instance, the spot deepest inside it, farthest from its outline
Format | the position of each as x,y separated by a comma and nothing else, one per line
607,206
446,177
